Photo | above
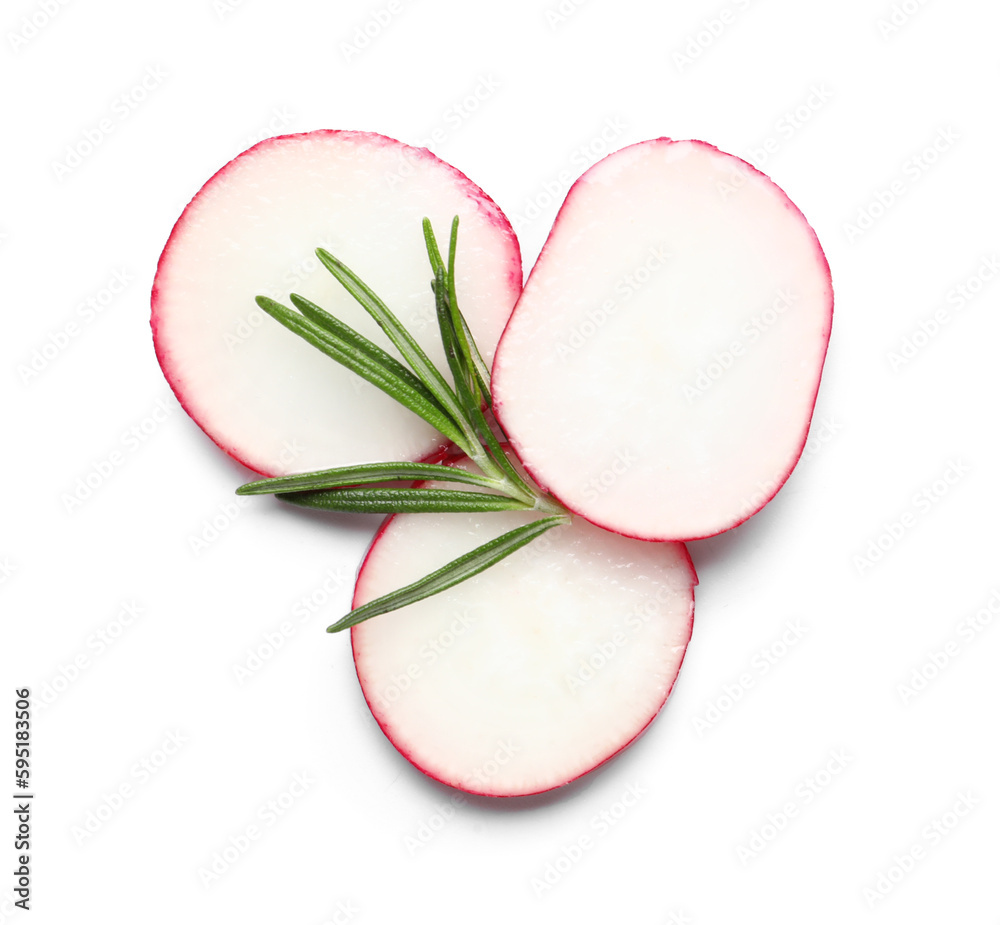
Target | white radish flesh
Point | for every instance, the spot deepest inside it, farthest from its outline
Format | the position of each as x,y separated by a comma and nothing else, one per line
268,398
659,372
536,670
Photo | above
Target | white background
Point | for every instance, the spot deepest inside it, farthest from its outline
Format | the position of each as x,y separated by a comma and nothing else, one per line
366,842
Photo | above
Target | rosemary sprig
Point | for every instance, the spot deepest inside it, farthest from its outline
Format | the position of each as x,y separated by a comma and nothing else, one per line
414,396
459,410
474,389
405,501
366,474
472,563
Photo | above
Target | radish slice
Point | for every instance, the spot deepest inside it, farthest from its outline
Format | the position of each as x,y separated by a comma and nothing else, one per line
262,394
533,672
659,372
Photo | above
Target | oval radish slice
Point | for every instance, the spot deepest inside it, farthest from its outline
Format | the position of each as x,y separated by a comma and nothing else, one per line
533,672
659,371
266,397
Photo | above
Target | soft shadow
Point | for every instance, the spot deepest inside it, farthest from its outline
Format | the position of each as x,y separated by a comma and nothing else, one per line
501,805
715,551
358,525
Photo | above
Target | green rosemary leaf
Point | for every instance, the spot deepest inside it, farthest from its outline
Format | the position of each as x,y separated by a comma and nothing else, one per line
404,501
498,456
359,362
336,328
463,335
466,566
439,286
465,383
363,475
433,251
479,366
411,351
464,357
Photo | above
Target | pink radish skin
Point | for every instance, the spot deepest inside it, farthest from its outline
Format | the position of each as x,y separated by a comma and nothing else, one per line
534,672
268,399
659,372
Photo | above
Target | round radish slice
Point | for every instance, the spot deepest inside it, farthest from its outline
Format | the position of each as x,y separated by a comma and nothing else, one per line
659,371
266,397
533,672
